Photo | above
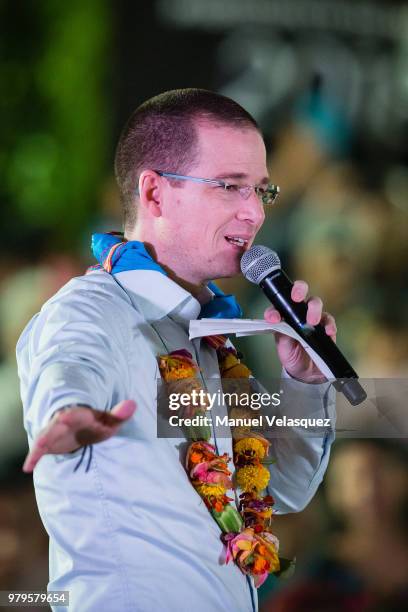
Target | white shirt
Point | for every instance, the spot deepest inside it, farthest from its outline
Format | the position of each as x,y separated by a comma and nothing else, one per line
132,534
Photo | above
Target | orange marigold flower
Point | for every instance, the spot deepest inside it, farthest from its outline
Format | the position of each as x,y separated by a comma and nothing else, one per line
195,457
260,564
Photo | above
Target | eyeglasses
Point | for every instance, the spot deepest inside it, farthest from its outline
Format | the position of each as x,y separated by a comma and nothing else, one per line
267,195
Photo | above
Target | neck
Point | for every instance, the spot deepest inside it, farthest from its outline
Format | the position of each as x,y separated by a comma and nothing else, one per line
198,290
172,266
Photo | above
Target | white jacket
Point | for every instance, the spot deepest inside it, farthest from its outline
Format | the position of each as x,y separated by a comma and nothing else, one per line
132,534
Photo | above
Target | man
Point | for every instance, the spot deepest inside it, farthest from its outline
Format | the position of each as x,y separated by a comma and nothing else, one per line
127,530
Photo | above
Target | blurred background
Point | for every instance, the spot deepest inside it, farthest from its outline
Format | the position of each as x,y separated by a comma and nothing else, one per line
327,81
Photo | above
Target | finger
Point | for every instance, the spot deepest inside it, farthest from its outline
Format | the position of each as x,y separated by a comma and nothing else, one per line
284,343
329,323
39,449
75,417
90,419
289,350
55,438
124,410
90,426
314,310
271,315
299,291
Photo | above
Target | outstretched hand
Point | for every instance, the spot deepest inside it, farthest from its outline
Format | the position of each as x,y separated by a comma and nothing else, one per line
76,426
292,355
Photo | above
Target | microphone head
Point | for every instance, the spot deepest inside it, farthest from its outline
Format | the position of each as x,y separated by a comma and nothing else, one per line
257,262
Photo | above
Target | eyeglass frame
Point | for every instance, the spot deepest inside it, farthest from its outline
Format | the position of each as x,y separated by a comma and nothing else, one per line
273,190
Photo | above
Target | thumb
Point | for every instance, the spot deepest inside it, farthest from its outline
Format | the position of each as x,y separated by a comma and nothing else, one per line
124,410
285,344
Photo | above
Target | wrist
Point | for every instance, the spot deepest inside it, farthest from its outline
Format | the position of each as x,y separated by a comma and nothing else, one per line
310,378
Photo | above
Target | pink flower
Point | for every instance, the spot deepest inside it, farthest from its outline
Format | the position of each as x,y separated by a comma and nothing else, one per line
256,555
207,472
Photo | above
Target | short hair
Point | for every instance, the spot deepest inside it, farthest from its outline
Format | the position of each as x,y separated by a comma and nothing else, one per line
161,134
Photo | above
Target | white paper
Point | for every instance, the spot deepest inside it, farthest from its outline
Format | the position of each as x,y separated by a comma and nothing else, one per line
251,327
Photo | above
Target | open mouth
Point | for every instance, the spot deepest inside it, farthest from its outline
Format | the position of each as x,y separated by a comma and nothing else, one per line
237,241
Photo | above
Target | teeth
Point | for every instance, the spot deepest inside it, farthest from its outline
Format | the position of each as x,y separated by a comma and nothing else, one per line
237,240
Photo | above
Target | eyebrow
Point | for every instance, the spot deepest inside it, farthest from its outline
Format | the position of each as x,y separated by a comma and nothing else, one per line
239,176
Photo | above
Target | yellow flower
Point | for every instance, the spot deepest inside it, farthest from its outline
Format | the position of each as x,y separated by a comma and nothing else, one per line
250,444
239,370
252,477
206,490
268,548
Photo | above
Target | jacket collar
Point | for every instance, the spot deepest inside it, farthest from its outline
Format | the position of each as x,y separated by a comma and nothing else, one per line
149,287
156,296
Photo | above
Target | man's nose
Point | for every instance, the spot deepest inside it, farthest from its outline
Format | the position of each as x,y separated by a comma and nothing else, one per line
251,209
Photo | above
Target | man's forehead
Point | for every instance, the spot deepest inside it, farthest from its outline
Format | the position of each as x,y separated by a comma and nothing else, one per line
231,151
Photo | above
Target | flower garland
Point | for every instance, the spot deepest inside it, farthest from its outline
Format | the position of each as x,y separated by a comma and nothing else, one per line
247,533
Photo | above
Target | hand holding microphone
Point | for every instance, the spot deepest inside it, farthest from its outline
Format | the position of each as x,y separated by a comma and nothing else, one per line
295,359
261,265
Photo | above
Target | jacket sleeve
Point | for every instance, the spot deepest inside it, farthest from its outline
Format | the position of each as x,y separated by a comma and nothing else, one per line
68,354
301,453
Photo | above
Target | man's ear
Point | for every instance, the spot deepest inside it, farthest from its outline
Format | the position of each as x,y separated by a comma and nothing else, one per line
150,192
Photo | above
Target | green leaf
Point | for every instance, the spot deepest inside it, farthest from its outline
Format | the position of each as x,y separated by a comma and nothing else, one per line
268,461
229,519
287,568
198,433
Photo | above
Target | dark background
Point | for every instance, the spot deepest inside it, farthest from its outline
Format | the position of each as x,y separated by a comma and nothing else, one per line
328,83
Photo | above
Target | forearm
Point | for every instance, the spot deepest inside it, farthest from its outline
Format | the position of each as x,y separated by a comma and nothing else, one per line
301,453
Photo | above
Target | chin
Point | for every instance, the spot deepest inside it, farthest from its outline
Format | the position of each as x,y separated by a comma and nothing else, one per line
228,271
224,264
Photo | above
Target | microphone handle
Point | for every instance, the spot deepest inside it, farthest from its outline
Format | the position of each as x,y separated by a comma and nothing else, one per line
277,287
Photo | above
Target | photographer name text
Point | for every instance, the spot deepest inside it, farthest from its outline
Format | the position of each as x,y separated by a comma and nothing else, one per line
259,421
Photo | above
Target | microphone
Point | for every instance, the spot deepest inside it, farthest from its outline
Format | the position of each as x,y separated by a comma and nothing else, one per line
261,265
